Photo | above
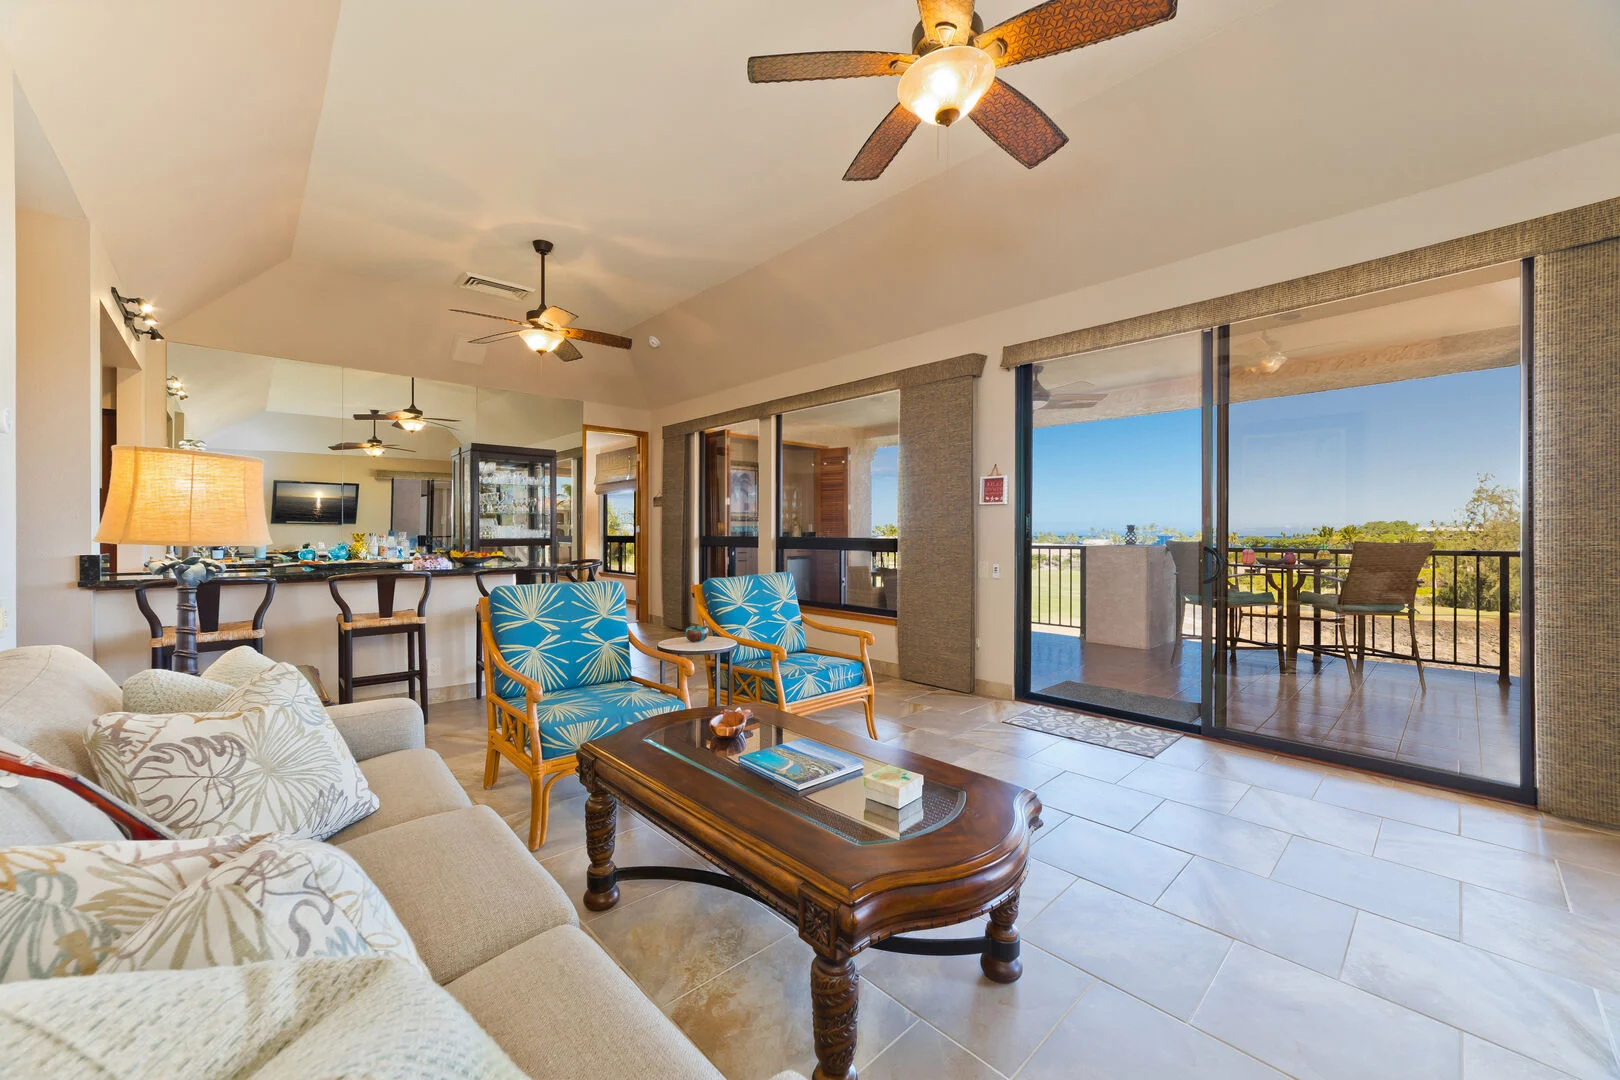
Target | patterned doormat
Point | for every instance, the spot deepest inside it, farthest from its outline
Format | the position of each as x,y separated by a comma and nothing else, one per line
1136,739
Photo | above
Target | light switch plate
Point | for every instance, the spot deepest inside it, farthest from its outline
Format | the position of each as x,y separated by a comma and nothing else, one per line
995,570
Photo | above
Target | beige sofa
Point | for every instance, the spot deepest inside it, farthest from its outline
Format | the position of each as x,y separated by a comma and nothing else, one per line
490,924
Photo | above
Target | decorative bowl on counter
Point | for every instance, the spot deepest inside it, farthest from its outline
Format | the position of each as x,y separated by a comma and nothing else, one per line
475,558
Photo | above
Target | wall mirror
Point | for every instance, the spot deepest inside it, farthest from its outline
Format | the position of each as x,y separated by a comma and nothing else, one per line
480,468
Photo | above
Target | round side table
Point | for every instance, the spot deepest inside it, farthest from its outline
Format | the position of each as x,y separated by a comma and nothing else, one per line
718,647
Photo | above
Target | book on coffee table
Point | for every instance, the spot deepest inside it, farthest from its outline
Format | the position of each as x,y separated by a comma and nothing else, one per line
801,764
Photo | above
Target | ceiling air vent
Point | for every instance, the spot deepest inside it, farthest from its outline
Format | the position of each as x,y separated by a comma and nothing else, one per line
495,286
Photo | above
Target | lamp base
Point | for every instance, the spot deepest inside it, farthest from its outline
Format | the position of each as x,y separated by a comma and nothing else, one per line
189,572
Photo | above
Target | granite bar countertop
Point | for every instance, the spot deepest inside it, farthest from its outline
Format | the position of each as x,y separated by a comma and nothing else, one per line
294,573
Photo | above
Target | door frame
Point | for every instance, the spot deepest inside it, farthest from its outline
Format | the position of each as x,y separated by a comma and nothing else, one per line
641,438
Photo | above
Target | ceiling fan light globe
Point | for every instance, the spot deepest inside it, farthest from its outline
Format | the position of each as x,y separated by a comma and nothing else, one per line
944,85
413,424
540,340
373,450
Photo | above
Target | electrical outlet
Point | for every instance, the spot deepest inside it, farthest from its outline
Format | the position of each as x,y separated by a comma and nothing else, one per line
435,668
995,570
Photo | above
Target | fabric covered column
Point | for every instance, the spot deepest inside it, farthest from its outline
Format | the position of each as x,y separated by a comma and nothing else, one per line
1576,502
936,628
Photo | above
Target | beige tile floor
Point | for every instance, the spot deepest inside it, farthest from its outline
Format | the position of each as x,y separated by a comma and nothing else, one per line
1214,913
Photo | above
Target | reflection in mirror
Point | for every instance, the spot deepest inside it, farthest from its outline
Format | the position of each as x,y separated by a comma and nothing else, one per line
301,420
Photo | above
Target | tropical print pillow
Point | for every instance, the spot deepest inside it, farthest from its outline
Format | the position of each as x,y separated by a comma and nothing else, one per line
268,760
562,636
135,905
757,607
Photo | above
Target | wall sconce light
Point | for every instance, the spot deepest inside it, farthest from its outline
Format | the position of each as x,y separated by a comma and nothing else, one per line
175,388
191,444
137,312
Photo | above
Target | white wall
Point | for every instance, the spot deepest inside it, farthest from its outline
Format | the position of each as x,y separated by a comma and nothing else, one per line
58,428
1573,177
8,358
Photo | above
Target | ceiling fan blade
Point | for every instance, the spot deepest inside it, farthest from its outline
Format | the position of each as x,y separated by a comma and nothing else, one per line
956,14
494,337
483,315
398,449
884,142
557,316
566,352
1060,25
594,337
346,446
799,67
1017,125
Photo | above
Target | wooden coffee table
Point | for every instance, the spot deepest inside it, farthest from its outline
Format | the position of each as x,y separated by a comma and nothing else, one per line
846,879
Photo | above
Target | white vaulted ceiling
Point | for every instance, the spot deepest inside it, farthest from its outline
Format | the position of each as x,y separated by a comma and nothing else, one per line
308,179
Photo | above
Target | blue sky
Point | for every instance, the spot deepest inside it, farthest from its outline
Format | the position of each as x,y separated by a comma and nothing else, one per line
1407,450
886,486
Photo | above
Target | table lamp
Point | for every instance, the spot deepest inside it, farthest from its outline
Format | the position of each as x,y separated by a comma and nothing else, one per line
189,500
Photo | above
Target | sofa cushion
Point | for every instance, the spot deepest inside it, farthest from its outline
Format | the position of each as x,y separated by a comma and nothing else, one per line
601,1018
157,690
379,726
571,717
409,784
561,636
463,885
758,607
40,812
361,1017
48,693
269,760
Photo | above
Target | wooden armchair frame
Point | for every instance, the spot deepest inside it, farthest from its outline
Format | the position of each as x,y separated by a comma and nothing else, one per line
515,734
749,683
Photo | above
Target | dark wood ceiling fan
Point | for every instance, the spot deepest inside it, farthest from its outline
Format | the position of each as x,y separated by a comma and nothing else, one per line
409,418
547,329
373,446
951,71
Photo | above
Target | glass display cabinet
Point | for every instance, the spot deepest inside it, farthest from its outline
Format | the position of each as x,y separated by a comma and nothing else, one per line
506,500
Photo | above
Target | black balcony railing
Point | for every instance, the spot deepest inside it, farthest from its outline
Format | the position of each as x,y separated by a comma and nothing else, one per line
1467,611
619,554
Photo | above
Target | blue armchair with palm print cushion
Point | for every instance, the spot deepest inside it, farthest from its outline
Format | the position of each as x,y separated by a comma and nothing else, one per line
772,662
560,676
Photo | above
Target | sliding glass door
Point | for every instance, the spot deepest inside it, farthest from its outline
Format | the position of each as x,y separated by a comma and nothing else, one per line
1118,569
1302,532
1374,449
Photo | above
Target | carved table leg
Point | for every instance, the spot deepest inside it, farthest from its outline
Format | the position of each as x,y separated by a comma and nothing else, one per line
601,821
1000,962
834,996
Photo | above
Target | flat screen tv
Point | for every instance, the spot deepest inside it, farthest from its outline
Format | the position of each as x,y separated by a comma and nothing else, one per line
305,502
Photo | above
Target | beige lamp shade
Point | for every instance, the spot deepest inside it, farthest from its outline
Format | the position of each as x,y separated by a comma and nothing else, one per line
183,497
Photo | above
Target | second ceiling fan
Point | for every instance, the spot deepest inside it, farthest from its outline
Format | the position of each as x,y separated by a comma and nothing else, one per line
951,71
547,329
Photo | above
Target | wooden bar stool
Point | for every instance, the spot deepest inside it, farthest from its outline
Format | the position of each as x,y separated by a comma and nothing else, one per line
212,635
521,575
385,620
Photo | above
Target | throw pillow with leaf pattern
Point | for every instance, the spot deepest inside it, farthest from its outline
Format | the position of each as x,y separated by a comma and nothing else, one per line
268,759
141,905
